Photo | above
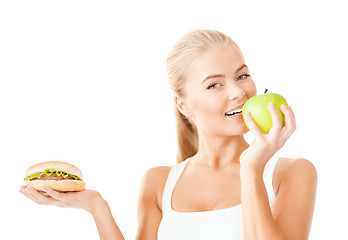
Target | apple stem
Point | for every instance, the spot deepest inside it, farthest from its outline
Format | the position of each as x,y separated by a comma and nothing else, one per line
266,90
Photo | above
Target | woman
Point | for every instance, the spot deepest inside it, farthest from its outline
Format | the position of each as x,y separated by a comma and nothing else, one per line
222,187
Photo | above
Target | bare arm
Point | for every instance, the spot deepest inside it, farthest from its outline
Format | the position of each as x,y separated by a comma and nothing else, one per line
106,225
149,209
149,206
294,203
293,208
89,200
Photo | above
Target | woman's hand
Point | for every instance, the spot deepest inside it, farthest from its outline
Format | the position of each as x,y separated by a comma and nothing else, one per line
265,146
87,199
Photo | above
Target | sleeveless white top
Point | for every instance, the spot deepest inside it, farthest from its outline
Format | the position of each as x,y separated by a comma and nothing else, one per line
218,224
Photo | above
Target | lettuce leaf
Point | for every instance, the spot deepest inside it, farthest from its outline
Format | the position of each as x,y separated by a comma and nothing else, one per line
49,172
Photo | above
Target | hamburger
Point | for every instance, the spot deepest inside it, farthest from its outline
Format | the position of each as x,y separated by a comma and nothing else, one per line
60,176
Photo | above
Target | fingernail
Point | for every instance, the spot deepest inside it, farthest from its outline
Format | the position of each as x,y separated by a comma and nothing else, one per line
282,106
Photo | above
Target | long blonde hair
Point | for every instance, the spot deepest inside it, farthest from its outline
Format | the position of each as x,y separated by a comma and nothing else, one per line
178,60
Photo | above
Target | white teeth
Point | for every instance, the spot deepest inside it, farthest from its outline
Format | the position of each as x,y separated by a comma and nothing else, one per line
234,112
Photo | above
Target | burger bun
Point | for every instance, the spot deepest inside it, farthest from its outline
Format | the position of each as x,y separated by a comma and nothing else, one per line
67,185
61,186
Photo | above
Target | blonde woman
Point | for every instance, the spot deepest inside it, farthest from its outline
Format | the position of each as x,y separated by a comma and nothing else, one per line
221,187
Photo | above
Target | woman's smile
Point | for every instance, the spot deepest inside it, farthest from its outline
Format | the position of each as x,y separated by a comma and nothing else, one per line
235,113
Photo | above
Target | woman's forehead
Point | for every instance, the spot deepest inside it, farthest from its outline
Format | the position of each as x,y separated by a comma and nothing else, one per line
216,61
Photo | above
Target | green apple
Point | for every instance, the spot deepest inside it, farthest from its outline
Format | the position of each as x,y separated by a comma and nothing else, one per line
258,108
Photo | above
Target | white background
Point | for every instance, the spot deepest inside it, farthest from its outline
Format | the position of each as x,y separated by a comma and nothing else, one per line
85,82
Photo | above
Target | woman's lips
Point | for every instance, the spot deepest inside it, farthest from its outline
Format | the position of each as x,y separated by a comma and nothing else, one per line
236,116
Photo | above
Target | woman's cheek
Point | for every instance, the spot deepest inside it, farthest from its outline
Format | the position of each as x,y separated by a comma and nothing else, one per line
250,89
205,110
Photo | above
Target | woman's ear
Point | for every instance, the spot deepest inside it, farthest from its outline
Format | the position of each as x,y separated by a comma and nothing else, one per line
180,104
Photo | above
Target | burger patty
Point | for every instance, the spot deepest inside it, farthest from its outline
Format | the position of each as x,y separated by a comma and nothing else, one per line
53,176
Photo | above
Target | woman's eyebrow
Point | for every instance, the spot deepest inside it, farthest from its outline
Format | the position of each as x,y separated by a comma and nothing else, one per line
241,67
221,75
213,76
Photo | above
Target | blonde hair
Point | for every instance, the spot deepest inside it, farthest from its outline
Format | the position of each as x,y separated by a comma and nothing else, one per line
178,60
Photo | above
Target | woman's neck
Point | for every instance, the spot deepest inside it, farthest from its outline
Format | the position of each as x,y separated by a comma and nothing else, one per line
219,151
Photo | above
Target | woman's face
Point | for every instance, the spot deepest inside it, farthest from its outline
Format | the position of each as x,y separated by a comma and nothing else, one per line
217,85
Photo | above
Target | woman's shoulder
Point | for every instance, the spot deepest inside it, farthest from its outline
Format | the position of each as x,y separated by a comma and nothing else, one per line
294,170
289,169
154,181
158,172
294,166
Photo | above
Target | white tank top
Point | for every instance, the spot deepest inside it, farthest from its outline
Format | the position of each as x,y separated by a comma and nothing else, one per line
216,224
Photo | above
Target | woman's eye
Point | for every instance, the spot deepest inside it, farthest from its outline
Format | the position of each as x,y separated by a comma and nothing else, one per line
214,85
244,76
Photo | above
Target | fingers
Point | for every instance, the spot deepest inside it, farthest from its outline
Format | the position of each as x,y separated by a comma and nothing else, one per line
251,124
278,134
49,196
26,193
276,123
54,194
290,121
36,196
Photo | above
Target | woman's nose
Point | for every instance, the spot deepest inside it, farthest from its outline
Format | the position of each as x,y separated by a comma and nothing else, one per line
236,94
